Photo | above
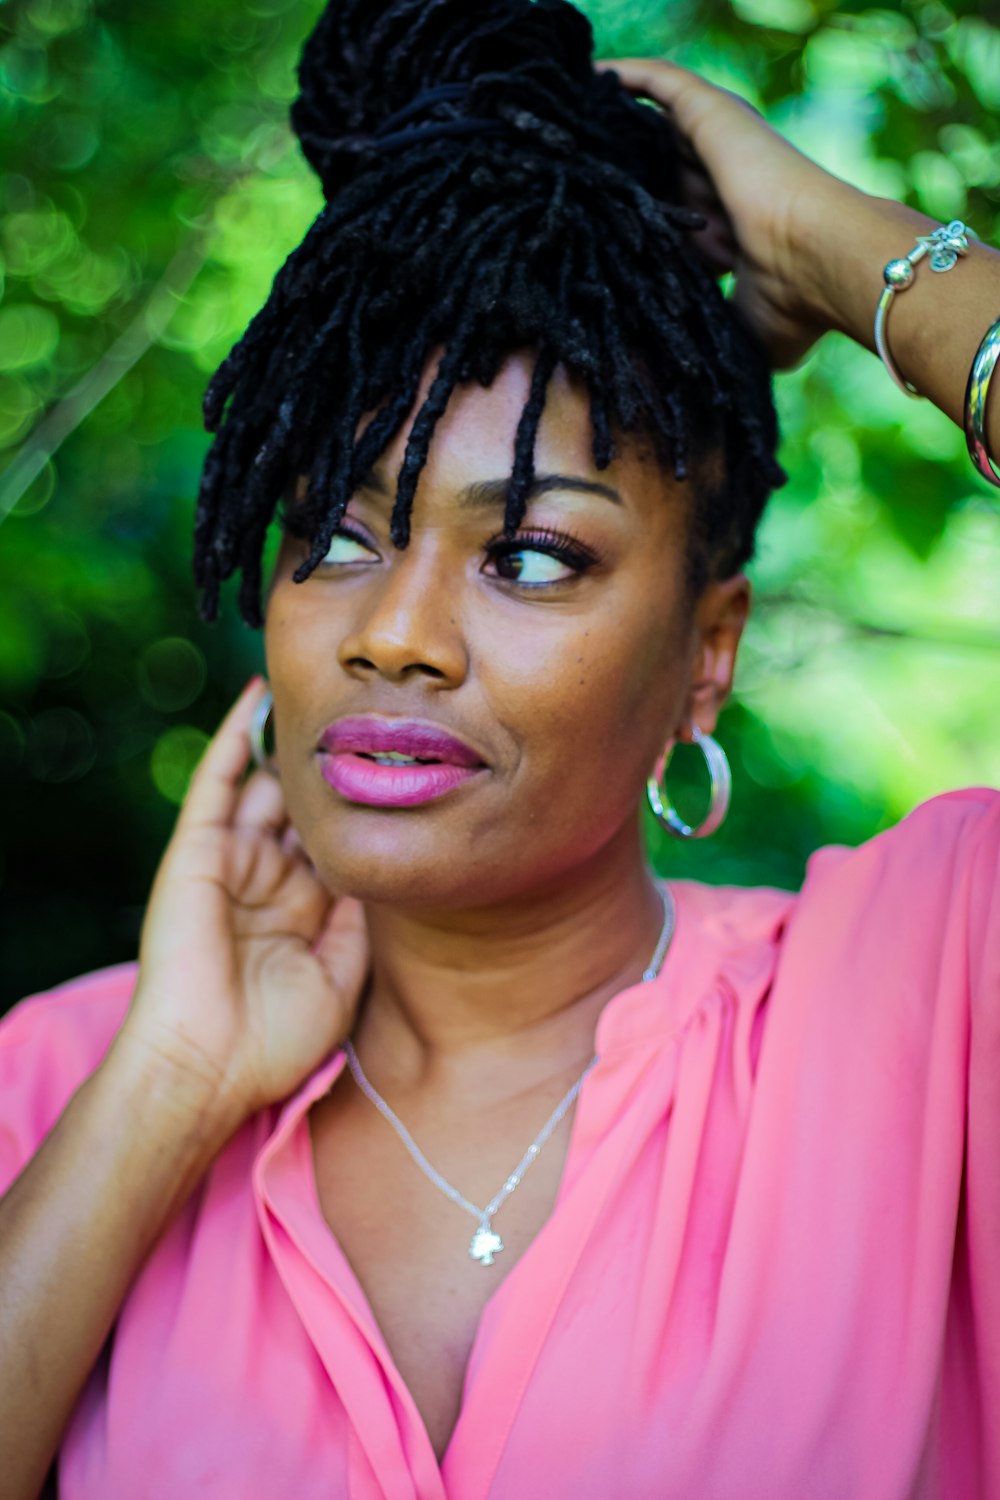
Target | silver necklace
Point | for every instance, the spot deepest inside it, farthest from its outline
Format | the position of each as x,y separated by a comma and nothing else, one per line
486,1244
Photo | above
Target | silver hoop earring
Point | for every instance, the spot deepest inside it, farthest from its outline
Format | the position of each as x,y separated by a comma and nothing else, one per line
722,783
258,728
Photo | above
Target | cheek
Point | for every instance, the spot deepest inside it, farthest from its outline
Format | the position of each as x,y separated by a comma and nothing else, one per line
297,633
590,702
297,650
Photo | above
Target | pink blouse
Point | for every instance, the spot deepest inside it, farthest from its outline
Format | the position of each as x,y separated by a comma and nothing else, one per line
772,1272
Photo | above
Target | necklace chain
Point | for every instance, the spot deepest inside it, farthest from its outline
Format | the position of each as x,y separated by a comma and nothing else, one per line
486,1243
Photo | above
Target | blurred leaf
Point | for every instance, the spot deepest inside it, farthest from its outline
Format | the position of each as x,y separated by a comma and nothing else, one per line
149,190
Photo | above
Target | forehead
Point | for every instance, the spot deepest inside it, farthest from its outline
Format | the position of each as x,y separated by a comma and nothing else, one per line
474,439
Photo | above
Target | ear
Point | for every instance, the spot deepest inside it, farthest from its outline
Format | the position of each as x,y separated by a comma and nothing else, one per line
720,615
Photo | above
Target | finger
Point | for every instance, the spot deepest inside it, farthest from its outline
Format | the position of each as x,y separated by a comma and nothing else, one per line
261,804
653,76
214,790
686,95
304,895
274,890
290,841
292,844
716,242
343,947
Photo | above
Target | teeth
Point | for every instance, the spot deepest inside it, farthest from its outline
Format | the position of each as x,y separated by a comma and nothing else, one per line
394,758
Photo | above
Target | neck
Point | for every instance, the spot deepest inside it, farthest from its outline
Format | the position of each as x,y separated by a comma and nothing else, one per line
520,982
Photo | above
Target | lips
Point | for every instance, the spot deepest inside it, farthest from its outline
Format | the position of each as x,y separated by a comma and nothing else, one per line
370,736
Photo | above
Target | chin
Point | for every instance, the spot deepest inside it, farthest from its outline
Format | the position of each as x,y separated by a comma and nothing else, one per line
405,882
396,858
395,867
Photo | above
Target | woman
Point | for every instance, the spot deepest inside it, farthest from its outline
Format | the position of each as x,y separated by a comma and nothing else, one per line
276,1230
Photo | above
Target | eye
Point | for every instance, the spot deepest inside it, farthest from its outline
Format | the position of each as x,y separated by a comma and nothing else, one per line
539,559
347,546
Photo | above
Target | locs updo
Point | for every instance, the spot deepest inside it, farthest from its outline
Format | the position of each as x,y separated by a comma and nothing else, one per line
486,191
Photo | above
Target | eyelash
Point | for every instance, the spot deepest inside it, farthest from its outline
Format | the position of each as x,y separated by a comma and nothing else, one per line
558,544
561,545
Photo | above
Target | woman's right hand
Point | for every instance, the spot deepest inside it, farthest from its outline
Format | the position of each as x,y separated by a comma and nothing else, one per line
250,971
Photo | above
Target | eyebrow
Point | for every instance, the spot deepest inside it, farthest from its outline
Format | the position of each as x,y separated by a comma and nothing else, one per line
491,494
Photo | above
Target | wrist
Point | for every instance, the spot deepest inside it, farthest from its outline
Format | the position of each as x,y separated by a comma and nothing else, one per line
189,1108
843,252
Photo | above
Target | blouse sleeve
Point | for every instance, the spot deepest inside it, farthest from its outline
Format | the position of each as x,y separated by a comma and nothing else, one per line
50,1043
973,1342
929,926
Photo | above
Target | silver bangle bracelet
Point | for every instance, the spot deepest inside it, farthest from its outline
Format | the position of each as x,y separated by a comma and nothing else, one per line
975,403
945,245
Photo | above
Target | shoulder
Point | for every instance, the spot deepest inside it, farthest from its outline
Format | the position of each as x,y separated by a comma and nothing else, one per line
913,912
946,851
947,826
50,1043
914,896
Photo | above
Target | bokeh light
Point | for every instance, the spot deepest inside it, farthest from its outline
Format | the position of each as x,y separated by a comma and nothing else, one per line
149,190
174,758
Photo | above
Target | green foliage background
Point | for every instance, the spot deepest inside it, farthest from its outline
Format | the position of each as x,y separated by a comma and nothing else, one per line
149,189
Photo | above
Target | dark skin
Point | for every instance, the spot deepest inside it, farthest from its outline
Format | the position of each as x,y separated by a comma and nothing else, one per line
469,945
486,888
485,993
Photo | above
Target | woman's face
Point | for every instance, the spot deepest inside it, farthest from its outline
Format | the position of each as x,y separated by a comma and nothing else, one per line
565,660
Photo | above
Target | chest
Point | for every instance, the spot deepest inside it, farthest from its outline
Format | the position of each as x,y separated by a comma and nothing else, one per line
408,1243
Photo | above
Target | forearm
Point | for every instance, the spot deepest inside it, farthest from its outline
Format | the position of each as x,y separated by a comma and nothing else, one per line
935,326
75,1229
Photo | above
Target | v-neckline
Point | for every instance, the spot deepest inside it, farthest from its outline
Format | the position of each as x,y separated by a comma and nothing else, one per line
320,1244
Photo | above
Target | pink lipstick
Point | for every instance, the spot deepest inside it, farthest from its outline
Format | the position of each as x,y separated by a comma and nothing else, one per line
394,762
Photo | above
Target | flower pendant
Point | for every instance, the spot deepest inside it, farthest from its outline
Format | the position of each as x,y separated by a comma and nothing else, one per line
486,1245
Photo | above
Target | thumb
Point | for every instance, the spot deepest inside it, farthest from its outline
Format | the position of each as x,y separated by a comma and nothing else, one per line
344,948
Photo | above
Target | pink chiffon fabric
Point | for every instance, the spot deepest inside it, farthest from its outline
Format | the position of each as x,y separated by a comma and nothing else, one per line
772,1272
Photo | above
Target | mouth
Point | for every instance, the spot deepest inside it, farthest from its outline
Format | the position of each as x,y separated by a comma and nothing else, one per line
383,781
411,740
379,762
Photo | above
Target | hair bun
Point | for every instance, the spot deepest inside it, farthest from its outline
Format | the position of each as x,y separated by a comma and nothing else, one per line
491,193
367,60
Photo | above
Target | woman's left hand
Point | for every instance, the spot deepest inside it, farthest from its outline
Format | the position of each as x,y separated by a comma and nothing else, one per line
808,249
764,201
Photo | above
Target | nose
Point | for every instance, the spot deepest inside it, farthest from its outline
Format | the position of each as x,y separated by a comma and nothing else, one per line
406,623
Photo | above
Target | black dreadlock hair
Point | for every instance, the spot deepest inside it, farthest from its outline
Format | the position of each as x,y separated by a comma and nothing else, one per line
486,191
